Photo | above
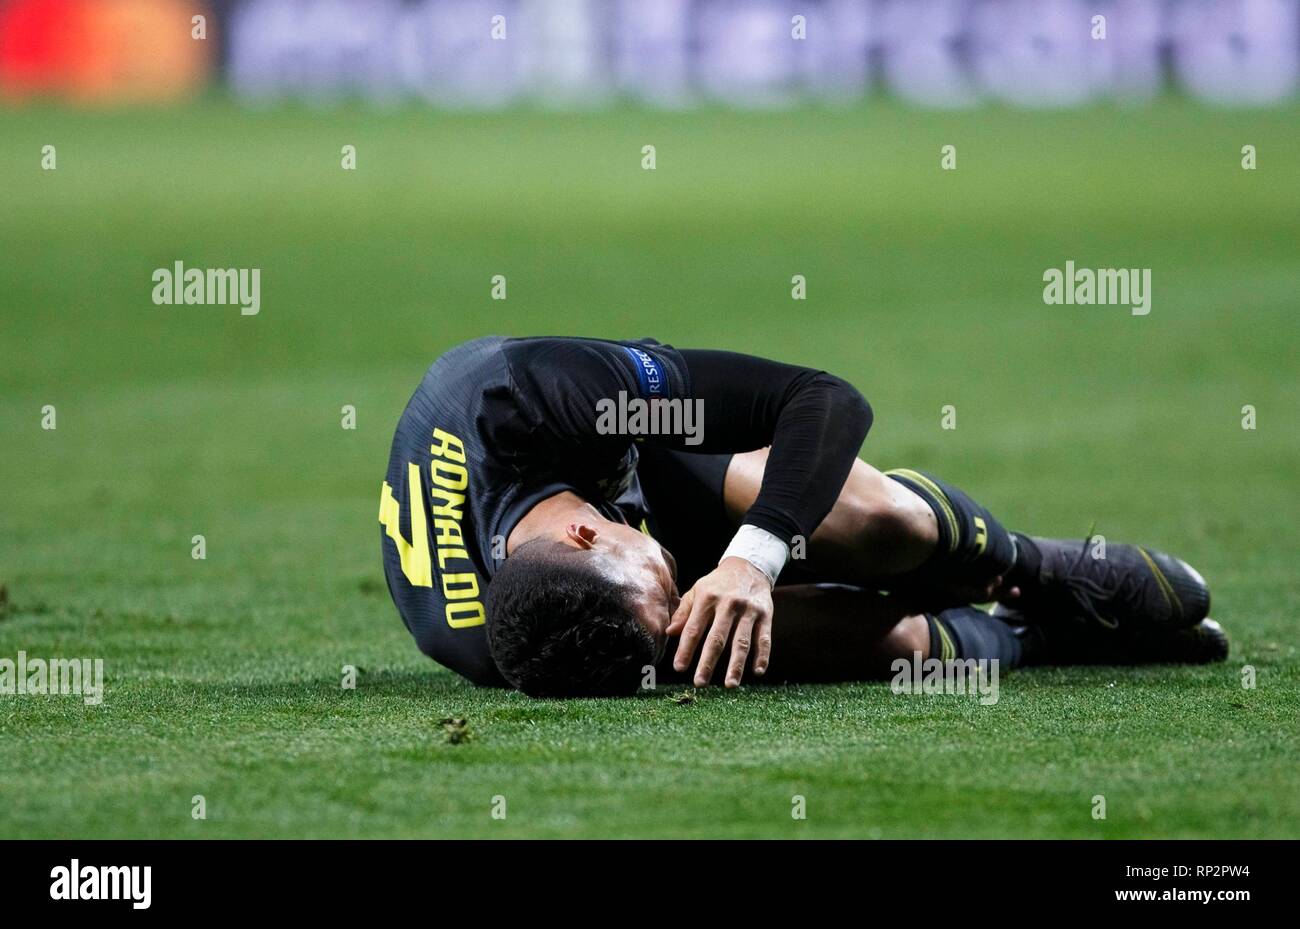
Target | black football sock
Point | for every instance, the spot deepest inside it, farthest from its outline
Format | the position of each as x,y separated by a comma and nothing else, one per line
969,632
973,547
1024,573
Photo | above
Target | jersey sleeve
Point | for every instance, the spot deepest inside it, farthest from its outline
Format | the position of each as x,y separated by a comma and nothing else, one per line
563,384
814,422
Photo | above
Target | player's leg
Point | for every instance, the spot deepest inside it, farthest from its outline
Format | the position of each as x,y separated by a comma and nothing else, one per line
877,527
835,632
904,530
831,632
931,542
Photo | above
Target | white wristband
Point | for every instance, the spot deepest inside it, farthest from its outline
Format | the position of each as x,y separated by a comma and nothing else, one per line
760,548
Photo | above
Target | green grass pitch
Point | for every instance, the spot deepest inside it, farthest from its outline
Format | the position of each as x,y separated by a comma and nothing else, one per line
924,288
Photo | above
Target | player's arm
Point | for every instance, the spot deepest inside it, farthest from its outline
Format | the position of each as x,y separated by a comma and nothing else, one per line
815,423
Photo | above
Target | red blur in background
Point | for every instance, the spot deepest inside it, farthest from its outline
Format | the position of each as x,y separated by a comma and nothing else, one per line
95,52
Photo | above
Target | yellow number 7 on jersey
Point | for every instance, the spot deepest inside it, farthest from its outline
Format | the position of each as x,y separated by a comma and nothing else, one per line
416,564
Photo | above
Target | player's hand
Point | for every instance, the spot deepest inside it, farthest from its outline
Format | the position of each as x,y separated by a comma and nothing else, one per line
734,596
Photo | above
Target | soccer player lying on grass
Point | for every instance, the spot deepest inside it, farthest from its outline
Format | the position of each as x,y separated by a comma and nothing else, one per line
548,498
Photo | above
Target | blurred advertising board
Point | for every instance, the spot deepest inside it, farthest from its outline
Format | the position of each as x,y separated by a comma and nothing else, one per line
487,54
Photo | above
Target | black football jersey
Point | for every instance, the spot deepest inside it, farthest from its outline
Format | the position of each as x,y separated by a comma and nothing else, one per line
499,424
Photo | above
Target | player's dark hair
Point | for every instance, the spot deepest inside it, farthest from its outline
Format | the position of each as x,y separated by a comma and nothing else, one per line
558,628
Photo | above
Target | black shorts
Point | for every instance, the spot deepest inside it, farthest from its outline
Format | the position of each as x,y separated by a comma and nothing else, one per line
688,513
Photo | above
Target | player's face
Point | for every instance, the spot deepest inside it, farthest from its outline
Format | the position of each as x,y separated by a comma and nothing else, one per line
632,558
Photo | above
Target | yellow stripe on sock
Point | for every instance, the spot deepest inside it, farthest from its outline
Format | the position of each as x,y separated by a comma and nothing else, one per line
945,504
947,648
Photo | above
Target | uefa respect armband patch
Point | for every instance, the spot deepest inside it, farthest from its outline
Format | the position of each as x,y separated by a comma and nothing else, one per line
649,373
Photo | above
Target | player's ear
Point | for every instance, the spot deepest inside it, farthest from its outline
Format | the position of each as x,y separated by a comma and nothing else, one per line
581,535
